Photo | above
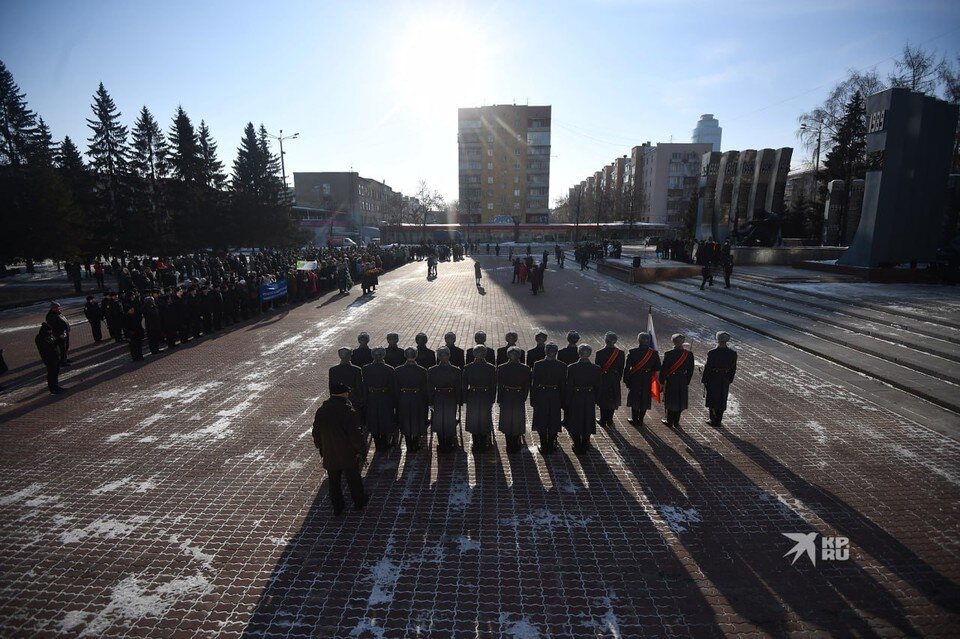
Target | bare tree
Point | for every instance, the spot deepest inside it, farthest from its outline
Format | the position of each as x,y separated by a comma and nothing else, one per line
828,115
917,70
427,202
561,210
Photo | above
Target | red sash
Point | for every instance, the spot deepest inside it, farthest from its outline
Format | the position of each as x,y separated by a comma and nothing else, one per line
610,361
678,363
646,358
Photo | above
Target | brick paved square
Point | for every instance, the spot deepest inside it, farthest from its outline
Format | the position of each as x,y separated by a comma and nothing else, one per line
182,496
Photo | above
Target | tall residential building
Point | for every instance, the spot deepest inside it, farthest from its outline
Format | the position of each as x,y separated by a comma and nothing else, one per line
666,178
365,201
504,159
708,131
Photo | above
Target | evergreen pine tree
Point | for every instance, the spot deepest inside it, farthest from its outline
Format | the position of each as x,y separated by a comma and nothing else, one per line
77,177
42,150
149,167
847,160
109,161
212,167
246,167
185,160
18,124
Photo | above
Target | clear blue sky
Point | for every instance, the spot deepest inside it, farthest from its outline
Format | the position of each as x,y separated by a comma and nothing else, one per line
375,85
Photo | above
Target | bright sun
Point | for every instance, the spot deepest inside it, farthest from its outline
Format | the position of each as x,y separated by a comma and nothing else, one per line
442,62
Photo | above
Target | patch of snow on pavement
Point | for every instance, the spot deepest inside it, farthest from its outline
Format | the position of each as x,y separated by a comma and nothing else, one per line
678,518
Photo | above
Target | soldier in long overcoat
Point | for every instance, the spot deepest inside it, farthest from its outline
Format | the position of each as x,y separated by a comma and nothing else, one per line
675,375
349,375
568,354
413,398
502,357
425,356
394,354
546,396
718,374
581,393
513,386
479,392
611,360
457,356
380,390
445,398
642,364
361,354
536,353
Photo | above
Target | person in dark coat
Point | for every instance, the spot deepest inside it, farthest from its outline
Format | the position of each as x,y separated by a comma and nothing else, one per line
133,327
569,354
46,343
726,262
457,356
153,323
445,398
338,435
425,356
394,354
477,273
479,392
61,330
413,398
502,357
216,302
206,310
183,315
675,375
642,364
582,390
112,315
349,375
94,315
537,353
380,390
718,373
546,397
480,339
513,387
195,311
611,360
361,354
168,319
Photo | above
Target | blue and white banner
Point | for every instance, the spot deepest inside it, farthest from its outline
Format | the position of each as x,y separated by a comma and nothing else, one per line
273,291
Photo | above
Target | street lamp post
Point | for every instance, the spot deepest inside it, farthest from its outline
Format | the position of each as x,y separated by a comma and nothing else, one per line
280,138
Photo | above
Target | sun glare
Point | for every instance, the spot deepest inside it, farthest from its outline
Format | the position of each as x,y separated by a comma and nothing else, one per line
442,62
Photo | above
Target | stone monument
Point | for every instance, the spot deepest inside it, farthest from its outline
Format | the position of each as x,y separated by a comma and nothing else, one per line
909,142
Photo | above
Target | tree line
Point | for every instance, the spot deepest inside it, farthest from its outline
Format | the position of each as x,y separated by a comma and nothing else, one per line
144,191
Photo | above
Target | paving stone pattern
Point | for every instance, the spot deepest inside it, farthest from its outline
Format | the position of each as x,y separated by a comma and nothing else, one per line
182,496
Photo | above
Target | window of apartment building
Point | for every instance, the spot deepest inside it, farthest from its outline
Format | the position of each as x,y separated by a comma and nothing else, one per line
516,152
516,205
469,124
516,165
325,189
516,179
537,191
489,206
489,166
538,138
516,123
516,193
490,139
490,180
537,123
490,152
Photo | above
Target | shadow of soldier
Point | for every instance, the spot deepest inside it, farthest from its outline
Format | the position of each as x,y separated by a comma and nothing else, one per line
863,533
732,528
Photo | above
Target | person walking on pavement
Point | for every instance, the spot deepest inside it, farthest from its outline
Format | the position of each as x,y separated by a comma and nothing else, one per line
477,273
718,374
338,436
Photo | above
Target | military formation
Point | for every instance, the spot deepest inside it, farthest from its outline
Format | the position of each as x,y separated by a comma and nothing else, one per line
409,392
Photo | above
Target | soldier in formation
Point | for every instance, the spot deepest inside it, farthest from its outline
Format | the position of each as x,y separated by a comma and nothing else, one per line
445,391
718,373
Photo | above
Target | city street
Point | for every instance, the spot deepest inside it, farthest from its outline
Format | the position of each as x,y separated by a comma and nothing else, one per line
182,495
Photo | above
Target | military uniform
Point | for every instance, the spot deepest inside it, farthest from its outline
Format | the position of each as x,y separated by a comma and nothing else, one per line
94,315
718,374
513,386
352,376
413,396
546,396
338,436
479,391
503,358
113,315
361,356
445,393
611,361
380,392
394,356
568,354
582,390
426,357
534,355
152,322
675,376
491,356
457,357
637,373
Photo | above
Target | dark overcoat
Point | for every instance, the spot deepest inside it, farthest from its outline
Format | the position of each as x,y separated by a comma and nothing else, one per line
445,390
381,396
490,357
479,391
361,356
426,357
503,358
394,356
718,374
534,355
457,357
413,396
610,377
546,394
337,434
638,381
568,354
675,396
352,376
580,398
513,386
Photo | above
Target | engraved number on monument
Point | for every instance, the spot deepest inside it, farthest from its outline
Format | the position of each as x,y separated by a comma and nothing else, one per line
875,121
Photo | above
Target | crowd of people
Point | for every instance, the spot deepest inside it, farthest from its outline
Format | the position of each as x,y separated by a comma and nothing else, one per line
710,256
388,392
